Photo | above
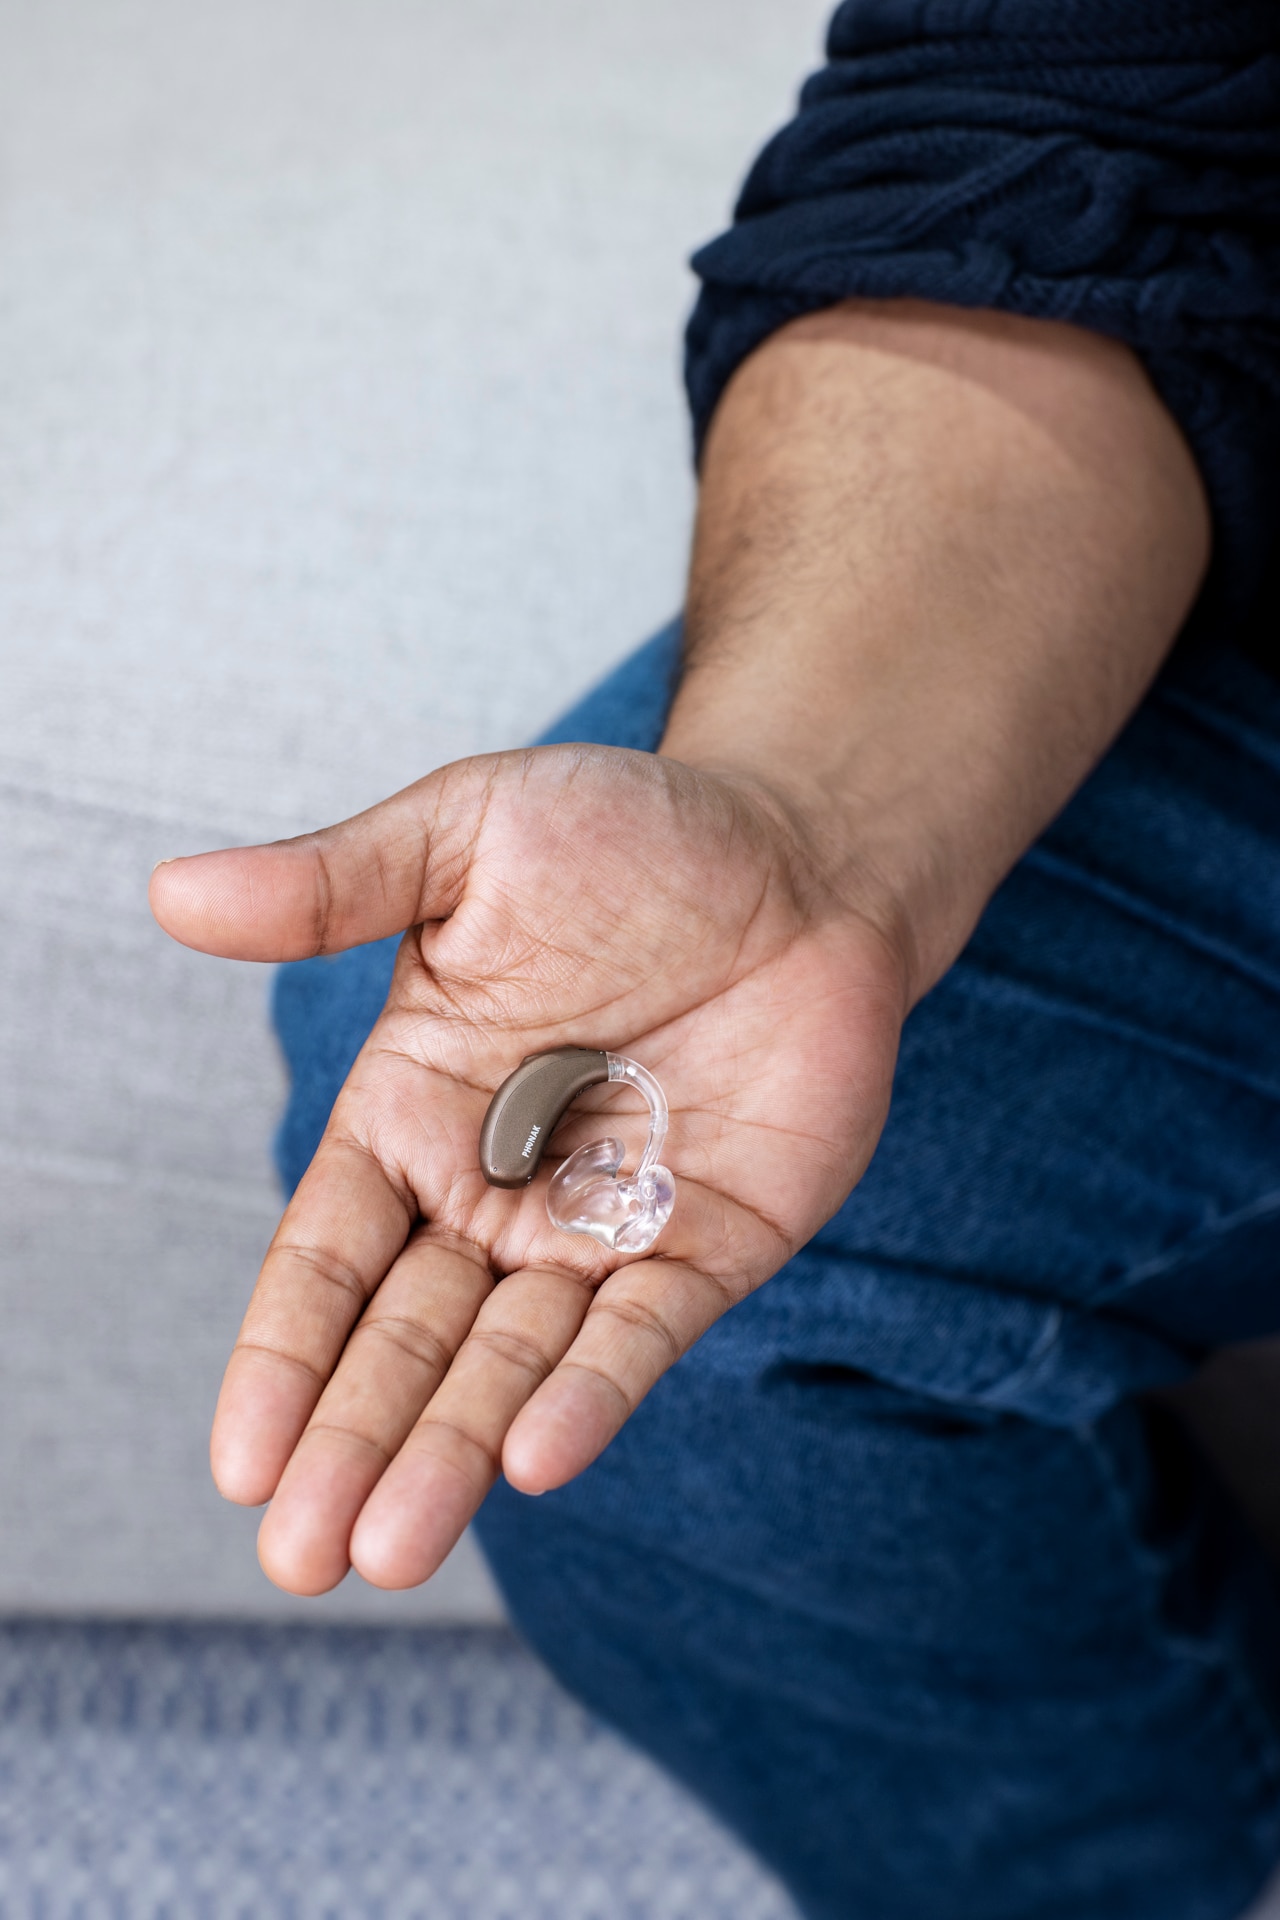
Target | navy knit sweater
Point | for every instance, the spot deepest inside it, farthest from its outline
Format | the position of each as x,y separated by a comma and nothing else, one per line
1114,163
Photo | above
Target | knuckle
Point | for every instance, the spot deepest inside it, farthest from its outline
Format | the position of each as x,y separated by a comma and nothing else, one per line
341,1135
438,1238
323,911
729,1295
416,1342
614,1388
324,1265
473,1449
514,1349
636,1317
288,1355
349,1437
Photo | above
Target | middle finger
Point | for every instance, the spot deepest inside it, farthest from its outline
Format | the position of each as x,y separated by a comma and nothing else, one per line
421,1504
397,1355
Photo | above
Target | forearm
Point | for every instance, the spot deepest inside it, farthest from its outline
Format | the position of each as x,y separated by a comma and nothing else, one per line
939,557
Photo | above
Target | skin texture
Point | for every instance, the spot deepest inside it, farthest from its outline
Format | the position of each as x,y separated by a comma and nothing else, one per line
938,559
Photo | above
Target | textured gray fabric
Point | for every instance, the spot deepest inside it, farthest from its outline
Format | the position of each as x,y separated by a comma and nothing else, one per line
340,434
206,1773
202,1772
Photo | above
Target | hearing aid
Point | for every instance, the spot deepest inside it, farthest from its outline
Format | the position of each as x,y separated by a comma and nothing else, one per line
588,1192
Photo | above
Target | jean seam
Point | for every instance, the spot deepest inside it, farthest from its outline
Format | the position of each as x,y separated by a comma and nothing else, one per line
974,976
1209,1236
1219,721
1045,859
1258,1738
996,1392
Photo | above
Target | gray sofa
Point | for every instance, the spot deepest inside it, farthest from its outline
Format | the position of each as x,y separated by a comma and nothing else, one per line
342,436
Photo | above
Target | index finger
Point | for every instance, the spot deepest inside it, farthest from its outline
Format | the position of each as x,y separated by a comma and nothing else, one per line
338,1238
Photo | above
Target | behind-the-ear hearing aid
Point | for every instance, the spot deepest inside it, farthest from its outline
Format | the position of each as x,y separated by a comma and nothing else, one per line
587,1193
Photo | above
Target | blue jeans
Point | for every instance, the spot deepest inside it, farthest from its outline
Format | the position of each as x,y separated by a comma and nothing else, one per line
902,1568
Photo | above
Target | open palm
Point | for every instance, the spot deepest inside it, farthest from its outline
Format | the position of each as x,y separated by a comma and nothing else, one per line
415,1331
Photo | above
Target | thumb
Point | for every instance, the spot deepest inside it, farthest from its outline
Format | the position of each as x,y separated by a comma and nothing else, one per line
402,861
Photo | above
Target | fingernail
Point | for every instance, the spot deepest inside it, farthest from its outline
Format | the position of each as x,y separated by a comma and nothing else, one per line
163,863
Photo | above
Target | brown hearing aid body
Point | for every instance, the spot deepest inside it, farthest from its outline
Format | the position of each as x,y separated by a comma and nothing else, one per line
527,1107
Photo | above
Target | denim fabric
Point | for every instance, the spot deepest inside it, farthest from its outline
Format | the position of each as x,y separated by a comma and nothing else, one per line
897,1568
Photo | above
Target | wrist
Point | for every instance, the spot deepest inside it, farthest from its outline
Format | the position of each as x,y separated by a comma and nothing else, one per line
938,559
848,855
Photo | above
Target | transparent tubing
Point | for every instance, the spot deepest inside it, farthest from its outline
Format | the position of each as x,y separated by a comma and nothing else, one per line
631,1073
588,1193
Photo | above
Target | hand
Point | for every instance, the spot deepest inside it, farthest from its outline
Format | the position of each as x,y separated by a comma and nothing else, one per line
414,1331
938,558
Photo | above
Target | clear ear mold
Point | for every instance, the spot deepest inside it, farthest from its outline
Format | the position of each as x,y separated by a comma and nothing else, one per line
589,1192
